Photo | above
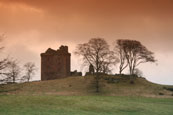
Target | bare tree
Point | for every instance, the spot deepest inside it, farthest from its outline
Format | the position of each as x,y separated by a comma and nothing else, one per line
30,69
3,62
3,65
13,70
95,53
135,54
121,54
3,73
109,62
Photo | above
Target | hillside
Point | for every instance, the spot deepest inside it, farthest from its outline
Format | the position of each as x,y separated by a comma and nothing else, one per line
84,86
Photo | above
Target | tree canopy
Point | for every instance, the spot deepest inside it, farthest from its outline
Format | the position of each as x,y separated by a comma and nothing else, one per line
133,53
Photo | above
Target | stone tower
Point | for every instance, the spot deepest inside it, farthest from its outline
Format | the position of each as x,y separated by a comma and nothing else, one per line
55,63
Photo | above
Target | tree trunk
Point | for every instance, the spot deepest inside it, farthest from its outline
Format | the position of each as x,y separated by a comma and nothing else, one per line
97,74
97,83
120,71
13,79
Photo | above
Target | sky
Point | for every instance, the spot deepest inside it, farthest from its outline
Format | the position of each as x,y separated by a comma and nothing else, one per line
32,26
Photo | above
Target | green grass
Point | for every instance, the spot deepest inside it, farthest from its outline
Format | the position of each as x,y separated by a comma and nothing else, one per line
83,105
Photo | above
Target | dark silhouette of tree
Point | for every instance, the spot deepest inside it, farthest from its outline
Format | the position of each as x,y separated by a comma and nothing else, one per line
3,73
109,62
135,54
91,69
96,53
121,54
30,69
13,70
3,62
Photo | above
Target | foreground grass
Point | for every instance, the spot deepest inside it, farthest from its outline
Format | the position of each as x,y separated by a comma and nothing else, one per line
83,105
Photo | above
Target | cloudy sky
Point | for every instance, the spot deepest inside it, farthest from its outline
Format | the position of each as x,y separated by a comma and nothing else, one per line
31,26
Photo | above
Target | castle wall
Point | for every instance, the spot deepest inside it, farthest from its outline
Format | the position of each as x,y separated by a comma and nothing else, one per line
55,64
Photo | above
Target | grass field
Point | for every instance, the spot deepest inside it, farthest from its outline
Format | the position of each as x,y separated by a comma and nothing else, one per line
83,105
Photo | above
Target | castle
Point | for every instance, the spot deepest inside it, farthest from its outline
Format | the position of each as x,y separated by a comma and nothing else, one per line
55,63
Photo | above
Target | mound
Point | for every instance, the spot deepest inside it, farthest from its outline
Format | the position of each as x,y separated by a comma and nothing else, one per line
85,86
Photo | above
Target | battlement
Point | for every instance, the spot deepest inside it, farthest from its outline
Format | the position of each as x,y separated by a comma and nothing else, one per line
63,50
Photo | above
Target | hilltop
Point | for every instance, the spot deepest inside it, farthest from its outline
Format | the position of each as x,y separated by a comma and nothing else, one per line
83,86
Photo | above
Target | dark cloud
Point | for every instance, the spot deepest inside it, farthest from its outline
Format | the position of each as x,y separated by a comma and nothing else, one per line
149,21
77,18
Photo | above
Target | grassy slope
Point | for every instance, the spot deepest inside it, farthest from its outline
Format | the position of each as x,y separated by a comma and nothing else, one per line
83,86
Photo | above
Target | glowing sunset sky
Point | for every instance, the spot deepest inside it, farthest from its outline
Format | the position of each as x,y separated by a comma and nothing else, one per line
31,26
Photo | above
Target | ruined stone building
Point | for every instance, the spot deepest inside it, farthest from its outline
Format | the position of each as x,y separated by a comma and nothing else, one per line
55,63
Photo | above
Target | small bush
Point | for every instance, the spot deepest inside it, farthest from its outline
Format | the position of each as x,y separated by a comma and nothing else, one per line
132,82
161,93
168,88
113,81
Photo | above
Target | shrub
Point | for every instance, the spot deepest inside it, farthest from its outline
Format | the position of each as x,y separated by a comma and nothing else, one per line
168,88
132,82
161,93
